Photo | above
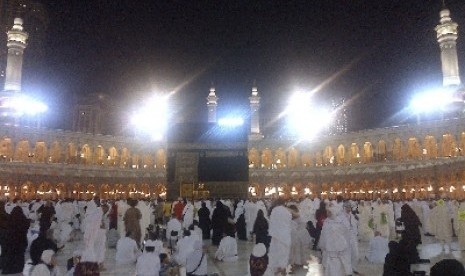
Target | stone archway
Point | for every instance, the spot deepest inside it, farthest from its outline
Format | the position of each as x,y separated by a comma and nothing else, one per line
44,191
160,190
105,192
28,191
61,190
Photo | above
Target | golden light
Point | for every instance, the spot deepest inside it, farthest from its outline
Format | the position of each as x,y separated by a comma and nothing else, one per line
430,188
308,192
395,190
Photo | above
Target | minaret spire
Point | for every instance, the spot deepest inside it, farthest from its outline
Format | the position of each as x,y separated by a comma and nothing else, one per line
16,44
254,111
447,36
212,103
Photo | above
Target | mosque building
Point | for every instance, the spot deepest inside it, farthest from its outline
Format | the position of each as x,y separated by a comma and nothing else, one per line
204,160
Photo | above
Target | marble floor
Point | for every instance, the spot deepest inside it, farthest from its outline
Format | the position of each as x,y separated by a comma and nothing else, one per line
429,250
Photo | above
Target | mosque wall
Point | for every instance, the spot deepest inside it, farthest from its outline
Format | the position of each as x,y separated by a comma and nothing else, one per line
55,163
421,160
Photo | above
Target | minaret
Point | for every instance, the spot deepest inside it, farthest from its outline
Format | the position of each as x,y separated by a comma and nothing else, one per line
447,37
254,111
16,44
212,103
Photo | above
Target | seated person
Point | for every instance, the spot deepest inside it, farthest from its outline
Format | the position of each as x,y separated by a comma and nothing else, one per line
227,250
395,264
449,267
378,249
46,266
196,261
73,262
127,250
167,267
184,247
158,244
38,246
258,261
149,262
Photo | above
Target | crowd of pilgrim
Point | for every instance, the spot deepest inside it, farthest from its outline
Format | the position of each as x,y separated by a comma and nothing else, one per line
173,238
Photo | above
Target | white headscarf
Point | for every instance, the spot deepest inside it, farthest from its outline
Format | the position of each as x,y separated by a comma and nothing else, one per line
46,256
259,250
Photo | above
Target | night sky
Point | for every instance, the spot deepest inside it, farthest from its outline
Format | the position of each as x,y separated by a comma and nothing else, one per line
385,51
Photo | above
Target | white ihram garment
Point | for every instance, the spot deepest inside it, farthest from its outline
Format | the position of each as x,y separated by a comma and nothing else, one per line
335,245
280,232
378,249
227,250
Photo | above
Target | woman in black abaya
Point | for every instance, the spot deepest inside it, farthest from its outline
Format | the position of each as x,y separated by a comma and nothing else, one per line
260,229
219,219
16,244
204,221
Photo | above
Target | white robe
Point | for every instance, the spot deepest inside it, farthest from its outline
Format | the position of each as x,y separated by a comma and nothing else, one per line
188,215
195,262
126,251
250,214
352,224
239,211
184,247
173,225
377,250
297,245
381,225
227,250
148,264
440,224
145,220
335,245
93,220
306,210
40,270
426,223
280,232
397,209
365,233
460,226
122,207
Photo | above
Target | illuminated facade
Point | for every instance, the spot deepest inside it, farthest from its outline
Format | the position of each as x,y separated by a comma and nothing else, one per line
421,160
57,164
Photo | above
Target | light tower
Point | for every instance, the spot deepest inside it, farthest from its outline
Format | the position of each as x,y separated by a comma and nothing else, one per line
212,103
254,112
16,44
447,36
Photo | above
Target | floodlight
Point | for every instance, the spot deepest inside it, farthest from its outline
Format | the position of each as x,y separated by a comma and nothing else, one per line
230,122
152,117
431,101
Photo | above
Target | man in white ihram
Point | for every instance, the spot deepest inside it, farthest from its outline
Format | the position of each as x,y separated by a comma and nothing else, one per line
335,244
92,234
352,224
280,232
